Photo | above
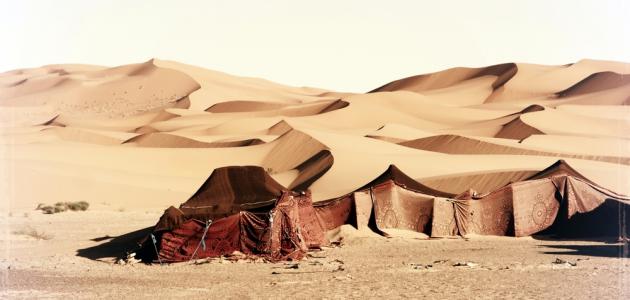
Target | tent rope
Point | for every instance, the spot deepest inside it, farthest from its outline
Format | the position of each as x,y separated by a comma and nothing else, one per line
202,242
270,228
157,253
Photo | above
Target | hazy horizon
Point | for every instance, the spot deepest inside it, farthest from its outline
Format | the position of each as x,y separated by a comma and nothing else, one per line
349,46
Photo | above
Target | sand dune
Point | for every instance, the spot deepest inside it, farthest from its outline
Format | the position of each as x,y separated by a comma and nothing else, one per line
110,92
580,125
262,109
595,83
454,144
500,73
220,87
545,81
291,150
91,136
164,140
154,130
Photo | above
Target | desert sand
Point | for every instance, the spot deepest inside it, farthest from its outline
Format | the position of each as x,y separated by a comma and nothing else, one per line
132,140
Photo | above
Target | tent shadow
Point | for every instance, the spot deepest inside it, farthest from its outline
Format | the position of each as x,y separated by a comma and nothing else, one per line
577,238
114,247
607,250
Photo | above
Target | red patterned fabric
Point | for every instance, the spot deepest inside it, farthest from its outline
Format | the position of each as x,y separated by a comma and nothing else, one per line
535,206
443,223
286,240
396,207
334,213
311,228
223,237
491,214
285,233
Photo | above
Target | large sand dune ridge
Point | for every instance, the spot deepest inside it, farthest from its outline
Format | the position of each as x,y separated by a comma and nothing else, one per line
152,131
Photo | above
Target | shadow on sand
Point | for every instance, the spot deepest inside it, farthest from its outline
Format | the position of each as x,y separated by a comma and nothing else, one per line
605,247
114,247
615,250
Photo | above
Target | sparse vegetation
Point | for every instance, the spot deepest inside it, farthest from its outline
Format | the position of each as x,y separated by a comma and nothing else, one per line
60,207
63,206
34,233
47,209
78,206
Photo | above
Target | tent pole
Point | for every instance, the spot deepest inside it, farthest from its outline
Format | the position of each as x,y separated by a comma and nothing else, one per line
203,236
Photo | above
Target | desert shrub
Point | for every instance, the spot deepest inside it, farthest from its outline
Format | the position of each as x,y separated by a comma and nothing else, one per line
48,209
63,206
60,207
34,233
78,206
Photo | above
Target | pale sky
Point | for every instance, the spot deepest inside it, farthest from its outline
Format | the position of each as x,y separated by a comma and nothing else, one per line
342,45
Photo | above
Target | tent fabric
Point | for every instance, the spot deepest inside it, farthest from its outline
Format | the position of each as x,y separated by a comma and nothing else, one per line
171,219
253,214
559,168
229,190
277,235
311,227
443,223
403,180
238,209
535,206
491,214
335,213
284,240
450,217
518,209
400,208
363,208
222,237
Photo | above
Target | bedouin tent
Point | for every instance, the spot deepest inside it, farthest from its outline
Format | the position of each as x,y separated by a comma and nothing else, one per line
557,198
236,209
244,209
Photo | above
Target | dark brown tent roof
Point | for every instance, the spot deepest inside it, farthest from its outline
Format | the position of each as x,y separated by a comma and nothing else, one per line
397,176
231,189
561,167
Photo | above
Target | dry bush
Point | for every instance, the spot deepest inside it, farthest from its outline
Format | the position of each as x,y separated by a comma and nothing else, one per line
34,233
78,206
63,206
60,207
47,209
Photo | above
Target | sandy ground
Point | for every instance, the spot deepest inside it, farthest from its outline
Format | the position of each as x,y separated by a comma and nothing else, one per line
71,264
